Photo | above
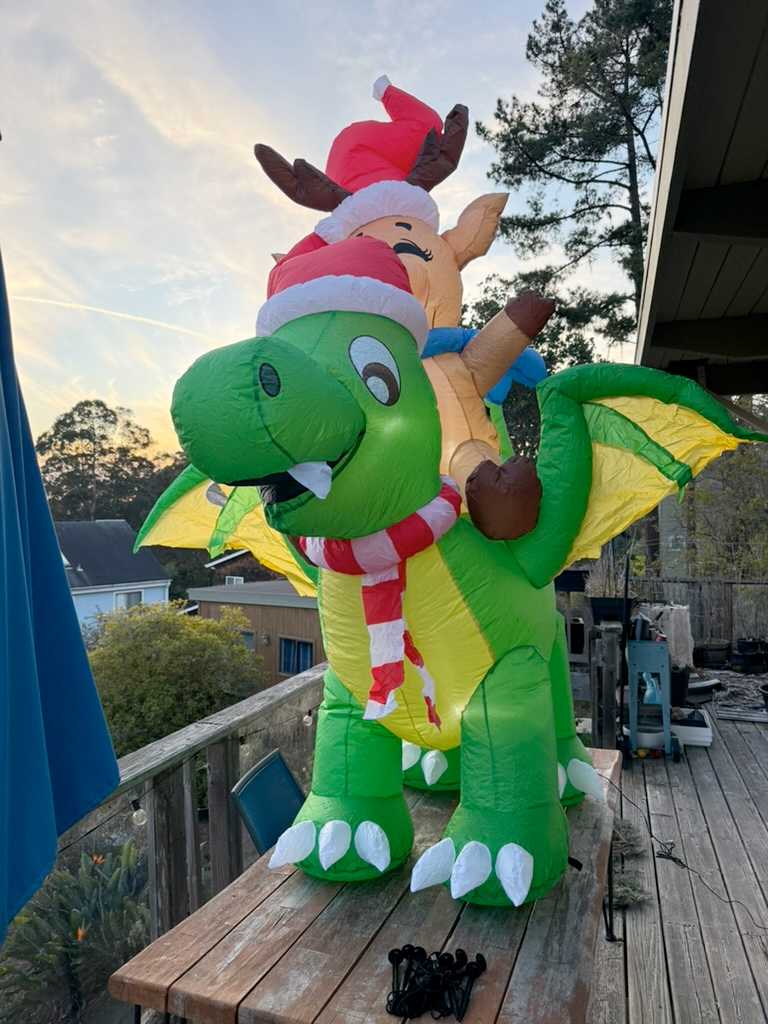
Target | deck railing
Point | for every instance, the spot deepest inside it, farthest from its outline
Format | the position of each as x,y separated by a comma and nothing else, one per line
189,851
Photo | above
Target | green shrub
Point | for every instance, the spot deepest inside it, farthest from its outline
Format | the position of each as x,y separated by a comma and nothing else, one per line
72,935
157,670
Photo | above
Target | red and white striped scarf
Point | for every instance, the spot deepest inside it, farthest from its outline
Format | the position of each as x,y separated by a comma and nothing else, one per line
380,559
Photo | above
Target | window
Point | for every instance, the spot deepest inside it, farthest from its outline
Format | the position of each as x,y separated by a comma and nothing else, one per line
248,639
295,656
231,581
129,598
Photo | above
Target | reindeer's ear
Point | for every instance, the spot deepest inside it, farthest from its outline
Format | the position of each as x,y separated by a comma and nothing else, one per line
476,229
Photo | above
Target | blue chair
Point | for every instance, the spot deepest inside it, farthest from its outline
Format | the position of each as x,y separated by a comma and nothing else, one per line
268,798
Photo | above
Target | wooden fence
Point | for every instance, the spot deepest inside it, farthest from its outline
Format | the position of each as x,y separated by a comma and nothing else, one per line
721,609
165,779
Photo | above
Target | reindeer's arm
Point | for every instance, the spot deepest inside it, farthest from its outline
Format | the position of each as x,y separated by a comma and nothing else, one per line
502,340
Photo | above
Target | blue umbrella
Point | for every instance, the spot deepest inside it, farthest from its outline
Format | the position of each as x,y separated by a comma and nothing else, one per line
56,756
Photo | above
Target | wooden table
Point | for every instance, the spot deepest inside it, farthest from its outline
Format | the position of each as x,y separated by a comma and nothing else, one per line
279,947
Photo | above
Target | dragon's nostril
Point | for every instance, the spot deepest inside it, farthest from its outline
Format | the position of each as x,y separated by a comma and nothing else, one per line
269,379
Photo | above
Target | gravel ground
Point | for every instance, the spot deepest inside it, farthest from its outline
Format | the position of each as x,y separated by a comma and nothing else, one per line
739,690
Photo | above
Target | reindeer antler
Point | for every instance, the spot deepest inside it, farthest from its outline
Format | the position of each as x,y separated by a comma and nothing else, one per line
440,154
301,182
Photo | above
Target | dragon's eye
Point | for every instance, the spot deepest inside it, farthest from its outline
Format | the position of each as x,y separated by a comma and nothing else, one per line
378,370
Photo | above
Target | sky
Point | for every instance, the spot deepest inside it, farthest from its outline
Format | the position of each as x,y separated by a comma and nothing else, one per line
128,183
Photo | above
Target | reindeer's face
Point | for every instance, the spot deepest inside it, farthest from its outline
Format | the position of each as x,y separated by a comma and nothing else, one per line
434,262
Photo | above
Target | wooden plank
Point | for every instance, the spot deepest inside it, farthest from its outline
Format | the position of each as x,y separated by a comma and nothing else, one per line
146,979
752,772
212,990
166,852
305,979
143,764
737,265
730,971
756,738
712,847
751,288
647,980
725,49
693,997
704,271
748,147
224,834
608,991
192,835
551,977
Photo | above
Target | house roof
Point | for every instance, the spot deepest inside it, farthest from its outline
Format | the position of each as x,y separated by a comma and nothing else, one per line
704,308
100,554
277,593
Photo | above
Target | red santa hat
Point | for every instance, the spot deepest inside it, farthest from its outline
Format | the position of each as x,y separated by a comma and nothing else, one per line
372,159
359,275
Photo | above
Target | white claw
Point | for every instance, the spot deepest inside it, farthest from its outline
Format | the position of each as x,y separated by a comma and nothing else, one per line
472,867
411,754
562,780
334,841
296,843
433,765
434,865
372,844
584,777
514,869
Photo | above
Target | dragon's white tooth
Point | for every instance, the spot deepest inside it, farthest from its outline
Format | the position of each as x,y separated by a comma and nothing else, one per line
562,780
372,844
333,842
411,754
514,869
584,777
472,868
296,843
433,764
315,476
434,865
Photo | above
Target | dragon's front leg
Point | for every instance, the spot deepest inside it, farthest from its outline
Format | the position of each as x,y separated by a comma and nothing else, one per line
508,838
576,774
355,823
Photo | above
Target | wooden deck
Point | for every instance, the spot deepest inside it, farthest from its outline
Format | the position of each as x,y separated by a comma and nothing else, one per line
688,957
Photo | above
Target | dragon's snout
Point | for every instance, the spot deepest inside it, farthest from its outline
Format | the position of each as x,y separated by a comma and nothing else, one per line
264,413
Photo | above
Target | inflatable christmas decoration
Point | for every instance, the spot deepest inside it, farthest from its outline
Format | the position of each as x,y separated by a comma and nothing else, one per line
437,636
377,183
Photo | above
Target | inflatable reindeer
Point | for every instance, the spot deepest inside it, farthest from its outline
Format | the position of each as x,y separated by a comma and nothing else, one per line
377,183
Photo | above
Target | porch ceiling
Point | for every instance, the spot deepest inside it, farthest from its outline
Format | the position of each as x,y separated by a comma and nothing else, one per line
704,309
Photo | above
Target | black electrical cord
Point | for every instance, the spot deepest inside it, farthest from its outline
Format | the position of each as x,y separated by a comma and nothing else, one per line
664,852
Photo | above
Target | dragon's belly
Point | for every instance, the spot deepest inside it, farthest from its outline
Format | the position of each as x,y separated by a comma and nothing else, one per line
443,616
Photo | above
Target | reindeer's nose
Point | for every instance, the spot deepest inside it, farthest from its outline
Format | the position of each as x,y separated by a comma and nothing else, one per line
242,412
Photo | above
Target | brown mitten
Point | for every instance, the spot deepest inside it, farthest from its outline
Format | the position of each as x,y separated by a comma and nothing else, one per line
503,501
530,311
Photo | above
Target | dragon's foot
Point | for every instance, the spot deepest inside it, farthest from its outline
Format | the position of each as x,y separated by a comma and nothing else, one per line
576,776
434,770
346,839
497,857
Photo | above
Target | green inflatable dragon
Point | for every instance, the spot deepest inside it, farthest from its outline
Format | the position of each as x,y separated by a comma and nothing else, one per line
438,639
